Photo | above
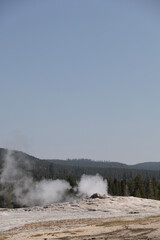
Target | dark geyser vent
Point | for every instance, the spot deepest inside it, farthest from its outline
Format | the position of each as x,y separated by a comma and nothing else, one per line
98,195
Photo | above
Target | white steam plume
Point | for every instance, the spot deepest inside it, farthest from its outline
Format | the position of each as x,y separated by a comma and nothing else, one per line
46,192
89,185
25,190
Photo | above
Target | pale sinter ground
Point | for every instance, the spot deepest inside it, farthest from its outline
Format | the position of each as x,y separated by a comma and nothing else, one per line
110,218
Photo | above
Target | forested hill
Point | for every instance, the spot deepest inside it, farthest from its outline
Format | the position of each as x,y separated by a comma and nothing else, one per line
107,164
81,162
147,166
89,163
53,169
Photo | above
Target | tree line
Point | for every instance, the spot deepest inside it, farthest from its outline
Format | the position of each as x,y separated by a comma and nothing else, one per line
137,187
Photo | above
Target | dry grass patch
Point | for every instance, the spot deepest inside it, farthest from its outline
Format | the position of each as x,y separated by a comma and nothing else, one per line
141,221
37,235
3,237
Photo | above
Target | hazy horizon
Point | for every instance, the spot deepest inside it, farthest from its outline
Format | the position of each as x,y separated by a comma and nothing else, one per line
81,79
81,158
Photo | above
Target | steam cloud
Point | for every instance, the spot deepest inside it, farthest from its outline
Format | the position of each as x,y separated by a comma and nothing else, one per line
89,185
30,193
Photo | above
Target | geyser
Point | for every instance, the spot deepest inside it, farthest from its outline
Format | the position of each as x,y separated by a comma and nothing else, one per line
89,185
28,192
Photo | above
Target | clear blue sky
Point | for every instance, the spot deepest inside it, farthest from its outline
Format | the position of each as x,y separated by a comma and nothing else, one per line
81,79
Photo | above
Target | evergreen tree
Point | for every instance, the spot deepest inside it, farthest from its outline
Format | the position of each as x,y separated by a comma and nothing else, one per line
149,188
139,186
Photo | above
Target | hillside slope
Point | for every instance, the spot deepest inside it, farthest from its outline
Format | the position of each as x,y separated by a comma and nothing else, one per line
53,169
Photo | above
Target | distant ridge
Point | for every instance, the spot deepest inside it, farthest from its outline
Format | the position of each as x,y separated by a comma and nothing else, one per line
90,163
155,166
147,166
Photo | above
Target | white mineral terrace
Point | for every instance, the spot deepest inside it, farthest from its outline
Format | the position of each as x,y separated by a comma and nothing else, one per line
130,207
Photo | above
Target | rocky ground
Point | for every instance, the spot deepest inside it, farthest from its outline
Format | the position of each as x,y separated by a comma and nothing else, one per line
109,218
